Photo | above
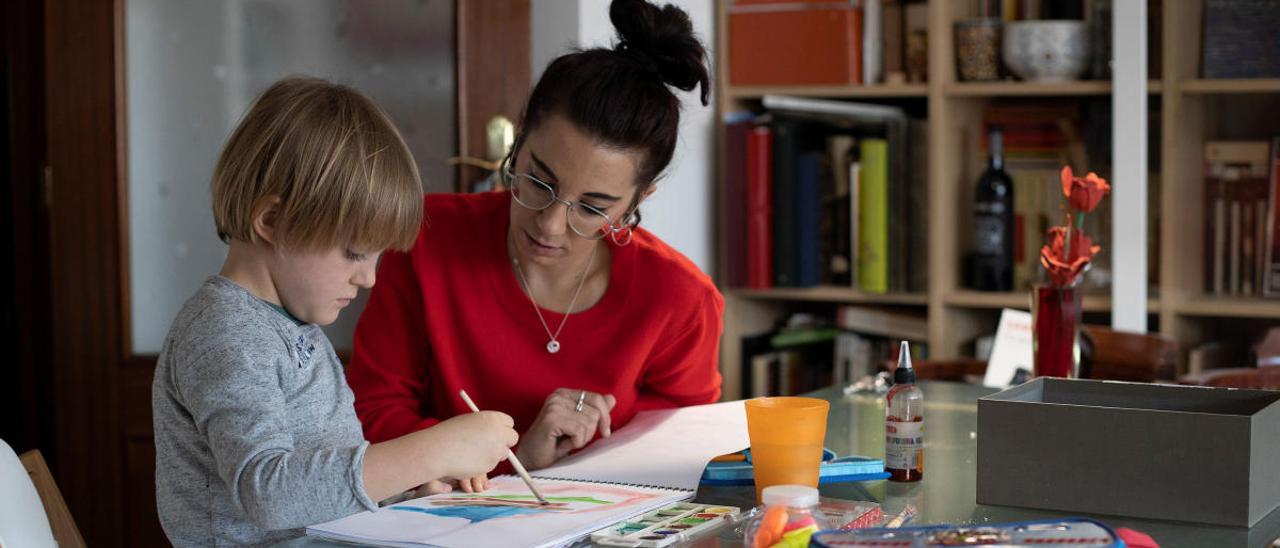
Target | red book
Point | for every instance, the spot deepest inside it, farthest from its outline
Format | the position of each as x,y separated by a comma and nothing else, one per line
795,43
760,208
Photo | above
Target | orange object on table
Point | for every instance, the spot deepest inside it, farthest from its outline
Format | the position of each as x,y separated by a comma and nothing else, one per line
786,440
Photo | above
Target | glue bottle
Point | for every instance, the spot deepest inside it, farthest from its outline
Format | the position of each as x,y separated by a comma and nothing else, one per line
790,516
904,423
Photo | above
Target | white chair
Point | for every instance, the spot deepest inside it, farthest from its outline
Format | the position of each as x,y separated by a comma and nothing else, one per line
23,522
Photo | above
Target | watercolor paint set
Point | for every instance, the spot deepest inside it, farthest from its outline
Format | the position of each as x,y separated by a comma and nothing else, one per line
666,526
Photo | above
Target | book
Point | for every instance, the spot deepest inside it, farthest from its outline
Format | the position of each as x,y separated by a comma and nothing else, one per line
883,322
760,208
642,466
763,41
917,213
1271,269
1239,39
1235,181
837,207
872,43
892,16
786,149
808,217
737,128
873,216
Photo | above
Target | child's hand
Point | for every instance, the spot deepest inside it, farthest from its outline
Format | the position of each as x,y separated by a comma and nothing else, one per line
470,445
439,487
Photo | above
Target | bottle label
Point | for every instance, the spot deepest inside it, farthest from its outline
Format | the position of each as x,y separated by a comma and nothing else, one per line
989,235
904,444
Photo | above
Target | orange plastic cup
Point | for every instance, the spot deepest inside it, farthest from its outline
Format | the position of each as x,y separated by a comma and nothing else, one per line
786,440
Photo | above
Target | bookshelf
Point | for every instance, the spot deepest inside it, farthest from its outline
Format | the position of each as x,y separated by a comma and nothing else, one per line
833,295
846,92
1201,87
1029,89
1191,111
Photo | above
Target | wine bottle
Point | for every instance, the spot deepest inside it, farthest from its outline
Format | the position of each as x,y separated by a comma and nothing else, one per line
993,240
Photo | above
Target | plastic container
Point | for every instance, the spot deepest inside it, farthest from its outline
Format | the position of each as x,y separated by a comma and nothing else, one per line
788,518
904,423
786,440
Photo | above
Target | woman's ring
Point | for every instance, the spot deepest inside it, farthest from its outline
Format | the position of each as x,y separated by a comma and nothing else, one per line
582,398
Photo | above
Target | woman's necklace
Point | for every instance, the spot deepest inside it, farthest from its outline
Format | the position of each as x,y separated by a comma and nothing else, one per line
553,345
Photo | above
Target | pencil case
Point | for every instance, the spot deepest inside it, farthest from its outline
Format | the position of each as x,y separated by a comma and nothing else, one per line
832,470
1075,532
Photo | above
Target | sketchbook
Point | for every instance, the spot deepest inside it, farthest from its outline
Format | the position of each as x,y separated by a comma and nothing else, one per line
656,460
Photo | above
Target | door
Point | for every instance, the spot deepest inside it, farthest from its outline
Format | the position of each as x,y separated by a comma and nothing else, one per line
140,96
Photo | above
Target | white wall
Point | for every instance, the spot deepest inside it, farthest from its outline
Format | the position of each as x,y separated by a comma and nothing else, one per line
681,211
192,69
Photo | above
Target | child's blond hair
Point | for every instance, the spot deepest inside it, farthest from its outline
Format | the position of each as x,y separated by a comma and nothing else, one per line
342,172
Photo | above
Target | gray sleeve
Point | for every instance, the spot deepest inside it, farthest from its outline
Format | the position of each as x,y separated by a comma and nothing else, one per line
233,394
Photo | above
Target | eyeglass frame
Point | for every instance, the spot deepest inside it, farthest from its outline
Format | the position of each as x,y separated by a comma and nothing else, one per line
613,229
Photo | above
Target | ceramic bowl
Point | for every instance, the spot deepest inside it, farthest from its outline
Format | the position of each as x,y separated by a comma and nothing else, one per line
1046,51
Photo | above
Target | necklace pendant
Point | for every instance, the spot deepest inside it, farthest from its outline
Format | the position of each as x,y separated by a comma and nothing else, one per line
553,346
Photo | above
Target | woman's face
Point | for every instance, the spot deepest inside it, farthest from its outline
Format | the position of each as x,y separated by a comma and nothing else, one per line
578,170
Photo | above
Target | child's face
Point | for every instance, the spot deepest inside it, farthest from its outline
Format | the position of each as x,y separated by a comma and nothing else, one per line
315,286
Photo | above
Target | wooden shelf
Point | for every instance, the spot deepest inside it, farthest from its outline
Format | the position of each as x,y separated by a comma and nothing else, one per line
1022,300
1032,89
831,294
1242,85
867,92
1231,307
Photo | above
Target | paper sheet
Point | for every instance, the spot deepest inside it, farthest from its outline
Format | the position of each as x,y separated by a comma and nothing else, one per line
668,447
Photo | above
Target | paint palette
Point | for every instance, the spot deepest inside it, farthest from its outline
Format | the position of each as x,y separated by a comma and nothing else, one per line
666,526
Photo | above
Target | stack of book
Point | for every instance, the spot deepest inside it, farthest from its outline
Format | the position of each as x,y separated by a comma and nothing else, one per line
811,354
826,193
1240,184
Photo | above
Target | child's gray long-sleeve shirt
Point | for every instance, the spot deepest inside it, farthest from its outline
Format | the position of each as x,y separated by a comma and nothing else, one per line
255,431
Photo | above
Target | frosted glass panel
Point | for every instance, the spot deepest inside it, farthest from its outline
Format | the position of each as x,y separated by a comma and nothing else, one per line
194,66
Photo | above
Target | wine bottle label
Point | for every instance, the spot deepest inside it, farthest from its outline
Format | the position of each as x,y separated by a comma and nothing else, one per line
903,443
988,235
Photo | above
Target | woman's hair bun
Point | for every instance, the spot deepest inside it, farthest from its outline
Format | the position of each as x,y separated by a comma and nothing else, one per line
661,39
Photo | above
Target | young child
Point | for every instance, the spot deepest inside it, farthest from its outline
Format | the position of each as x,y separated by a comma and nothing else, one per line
255,431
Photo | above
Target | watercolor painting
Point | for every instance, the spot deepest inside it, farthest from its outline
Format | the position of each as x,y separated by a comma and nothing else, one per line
505,514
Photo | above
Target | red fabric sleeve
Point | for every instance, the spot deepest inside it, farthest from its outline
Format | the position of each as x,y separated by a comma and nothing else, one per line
389,359
685,372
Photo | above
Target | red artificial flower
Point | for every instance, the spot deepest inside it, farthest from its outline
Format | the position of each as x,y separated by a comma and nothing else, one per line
1083,193
1065,271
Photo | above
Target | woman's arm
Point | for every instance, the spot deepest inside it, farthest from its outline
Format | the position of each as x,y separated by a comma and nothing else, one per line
686,371
388,366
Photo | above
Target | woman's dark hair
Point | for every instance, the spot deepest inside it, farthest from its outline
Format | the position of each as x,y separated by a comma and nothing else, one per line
619,96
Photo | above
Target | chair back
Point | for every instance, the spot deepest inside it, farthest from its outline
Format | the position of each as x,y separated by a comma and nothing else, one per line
22,516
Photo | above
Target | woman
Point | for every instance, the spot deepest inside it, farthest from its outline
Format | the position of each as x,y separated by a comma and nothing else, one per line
548,302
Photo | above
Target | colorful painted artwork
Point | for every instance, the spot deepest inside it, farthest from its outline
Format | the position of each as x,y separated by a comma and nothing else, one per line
506,514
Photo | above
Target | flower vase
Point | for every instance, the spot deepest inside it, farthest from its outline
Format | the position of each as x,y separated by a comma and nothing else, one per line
1055,323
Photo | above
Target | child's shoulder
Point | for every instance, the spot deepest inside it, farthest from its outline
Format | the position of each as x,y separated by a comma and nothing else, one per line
222,316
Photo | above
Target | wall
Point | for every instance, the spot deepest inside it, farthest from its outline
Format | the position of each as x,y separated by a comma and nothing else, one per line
192,70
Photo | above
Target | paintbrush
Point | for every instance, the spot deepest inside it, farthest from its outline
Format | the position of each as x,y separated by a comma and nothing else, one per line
511,457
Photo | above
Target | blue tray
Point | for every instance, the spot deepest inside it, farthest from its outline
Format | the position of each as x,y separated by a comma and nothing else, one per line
833,470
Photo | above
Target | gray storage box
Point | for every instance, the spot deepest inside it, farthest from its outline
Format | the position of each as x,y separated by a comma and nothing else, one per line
1185,453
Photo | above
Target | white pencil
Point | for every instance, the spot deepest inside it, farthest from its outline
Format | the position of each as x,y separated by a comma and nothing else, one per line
511,457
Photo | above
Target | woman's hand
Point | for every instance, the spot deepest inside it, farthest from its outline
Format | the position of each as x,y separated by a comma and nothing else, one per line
562,426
